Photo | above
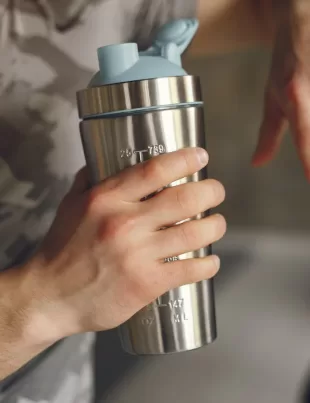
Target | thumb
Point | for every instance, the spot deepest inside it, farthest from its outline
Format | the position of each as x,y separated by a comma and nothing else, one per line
271,131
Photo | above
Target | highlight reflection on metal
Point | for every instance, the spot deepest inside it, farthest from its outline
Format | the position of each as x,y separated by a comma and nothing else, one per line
158,92
184,318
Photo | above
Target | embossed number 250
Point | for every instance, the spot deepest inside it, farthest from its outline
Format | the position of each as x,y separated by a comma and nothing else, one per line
126,153
151,151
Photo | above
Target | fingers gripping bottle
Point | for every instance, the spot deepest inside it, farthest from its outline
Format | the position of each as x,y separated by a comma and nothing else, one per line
140,105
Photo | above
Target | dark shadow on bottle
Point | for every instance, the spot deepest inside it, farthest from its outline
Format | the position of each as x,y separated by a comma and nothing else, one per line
111,363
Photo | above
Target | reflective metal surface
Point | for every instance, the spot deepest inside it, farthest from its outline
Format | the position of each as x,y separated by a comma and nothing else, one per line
184,318
138,94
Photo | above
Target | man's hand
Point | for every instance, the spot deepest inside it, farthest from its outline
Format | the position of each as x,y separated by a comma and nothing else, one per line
287,97
103,259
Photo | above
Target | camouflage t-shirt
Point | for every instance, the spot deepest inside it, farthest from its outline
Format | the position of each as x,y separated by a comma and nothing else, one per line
47,53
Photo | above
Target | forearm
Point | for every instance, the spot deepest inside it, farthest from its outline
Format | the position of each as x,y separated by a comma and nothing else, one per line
21,335
229,25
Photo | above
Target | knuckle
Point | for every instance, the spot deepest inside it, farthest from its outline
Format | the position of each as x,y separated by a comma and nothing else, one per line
95,201
118,228
110,230
185,199
152,170
113,183
188,234
99,198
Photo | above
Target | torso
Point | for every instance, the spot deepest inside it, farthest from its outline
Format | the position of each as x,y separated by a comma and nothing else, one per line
40,146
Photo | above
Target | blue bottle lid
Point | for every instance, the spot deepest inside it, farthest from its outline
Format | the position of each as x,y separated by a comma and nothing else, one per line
123,62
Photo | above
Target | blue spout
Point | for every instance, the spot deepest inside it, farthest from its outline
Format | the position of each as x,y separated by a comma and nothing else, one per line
123,62
115,60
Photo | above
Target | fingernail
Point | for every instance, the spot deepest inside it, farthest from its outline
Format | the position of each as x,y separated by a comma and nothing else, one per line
203,156
217,261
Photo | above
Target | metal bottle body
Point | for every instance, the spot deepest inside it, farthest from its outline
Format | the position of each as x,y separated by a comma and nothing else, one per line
184,318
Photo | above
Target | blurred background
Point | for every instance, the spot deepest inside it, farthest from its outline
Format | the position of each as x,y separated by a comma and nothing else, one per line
263,290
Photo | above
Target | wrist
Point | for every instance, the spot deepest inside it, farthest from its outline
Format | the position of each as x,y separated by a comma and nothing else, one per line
23,322
53,313
22,333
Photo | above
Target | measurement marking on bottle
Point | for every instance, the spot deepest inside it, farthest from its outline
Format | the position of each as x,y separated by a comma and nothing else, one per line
176,304
171,259
151,151
156,149
140,154
175,317
179,318
147,321
175,307
127,152
172,304
159,303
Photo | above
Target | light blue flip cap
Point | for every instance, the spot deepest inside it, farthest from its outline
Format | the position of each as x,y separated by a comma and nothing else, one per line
123,62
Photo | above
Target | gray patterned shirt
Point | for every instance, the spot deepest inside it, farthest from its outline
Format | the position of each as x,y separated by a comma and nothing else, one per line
47,53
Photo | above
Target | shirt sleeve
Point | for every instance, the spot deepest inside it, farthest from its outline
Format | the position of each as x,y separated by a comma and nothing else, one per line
152,14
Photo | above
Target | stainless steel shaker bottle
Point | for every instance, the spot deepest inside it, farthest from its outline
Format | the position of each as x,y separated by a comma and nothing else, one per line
140,105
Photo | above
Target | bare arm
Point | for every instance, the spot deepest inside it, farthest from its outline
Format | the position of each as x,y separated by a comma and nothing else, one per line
21,336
